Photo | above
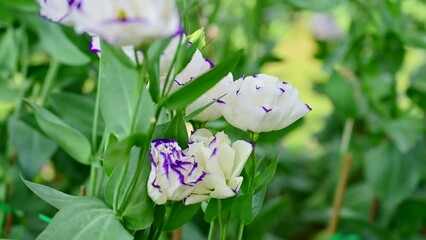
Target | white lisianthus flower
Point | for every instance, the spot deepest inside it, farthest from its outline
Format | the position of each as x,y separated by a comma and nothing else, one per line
127,22
173,174
58,10
223,166
262,103
211,112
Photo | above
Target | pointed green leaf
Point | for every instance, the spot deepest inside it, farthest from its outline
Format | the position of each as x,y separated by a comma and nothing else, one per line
190,92
59,46
69,139
139,211
180,215
33,148
177,130
119,96
85,218
52,196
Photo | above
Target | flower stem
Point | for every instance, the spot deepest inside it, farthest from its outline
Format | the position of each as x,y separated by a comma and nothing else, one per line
211,230
222,229
48,81
240,231
96,115
343,171
163,222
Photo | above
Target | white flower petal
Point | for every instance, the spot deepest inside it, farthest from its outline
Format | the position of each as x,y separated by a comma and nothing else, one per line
262,103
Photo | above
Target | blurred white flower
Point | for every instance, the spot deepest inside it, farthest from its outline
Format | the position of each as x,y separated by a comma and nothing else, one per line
128,22
262,103
223,165
325,28
173,174
211,112
58,10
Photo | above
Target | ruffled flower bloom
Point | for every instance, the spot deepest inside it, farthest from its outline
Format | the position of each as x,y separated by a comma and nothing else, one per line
223,165
262,103
58,10
174,174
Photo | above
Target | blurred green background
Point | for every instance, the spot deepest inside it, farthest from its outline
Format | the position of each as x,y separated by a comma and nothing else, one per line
360,64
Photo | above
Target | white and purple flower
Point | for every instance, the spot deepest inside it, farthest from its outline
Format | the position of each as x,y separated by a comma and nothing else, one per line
128,22
222,162
262,103
120,22
58,10
174,174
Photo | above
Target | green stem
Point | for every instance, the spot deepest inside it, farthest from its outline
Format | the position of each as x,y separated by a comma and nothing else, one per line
163,222
139,165
219,214
346,137
48,81
211,230
115,205
253,169
240,231
168,86
129,188
96,116
92,181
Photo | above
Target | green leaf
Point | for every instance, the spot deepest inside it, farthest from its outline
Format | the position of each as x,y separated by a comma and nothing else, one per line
248,206
180,215
59,46
211,212
177,130
154,54
185,54
33,148
118,152
345,95
243,208
390,175
119,96
314,4
52,196
410,217
139,212
191,91
9,51
269,215
22,5
405,132
85,218
266,175
417,89
69,139
77,110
